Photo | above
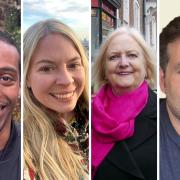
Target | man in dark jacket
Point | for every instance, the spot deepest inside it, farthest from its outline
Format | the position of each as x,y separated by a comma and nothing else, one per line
170,107
10,139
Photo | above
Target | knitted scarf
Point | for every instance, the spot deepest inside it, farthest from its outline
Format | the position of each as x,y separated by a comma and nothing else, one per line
113,119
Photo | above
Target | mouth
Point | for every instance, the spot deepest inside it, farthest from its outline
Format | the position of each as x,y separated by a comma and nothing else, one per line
65,96
125,73
2,106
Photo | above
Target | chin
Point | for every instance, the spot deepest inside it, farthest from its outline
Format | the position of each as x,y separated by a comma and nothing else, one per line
65,109
125,85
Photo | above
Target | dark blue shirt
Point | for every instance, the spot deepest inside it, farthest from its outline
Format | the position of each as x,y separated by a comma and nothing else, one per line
169,147
10,158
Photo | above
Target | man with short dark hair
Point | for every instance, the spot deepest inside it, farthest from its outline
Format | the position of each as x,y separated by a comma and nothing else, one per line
10,138
170,107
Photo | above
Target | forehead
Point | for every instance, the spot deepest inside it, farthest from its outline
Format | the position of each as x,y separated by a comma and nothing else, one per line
9,56
54,40
54,46
123,42
173,50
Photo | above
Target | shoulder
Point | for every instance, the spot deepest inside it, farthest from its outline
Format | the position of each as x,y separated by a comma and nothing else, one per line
17,127
150,110
152,98
163,106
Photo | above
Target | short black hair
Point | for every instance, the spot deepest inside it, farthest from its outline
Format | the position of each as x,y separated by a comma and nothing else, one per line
168,35
8,38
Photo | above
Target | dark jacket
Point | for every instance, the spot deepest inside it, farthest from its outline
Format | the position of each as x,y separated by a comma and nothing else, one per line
135,158
10,160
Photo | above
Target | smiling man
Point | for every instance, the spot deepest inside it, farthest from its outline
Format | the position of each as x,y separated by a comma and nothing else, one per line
170,108
10,138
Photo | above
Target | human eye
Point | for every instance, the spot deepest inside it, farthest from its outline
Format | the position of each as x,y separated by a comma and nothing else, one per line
7,80
46,68
132,55
74,65
113,57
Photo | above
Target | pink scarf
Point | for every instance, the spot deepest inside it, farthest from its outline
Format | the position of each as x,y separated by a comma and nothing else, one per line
113,119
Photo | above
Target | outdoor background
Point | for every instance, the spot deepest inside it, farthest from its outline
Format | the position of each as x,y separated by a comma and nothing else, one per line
73,13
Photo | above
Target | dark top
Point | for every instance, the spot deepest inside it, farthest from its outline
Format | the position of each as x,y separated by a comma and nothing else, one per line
10,157
169,147
135,158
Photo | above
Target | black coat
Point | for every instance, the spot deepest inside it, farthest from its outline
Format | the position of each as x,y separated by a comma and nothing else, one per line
10,160
134,158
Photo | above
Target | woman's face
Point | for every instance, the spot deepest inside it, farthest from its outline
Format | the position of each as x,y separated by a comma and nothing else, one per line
56,75
125,64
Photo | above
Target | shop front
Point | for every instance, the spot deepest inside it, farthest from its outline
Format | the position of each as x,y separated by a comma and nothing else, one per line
104,21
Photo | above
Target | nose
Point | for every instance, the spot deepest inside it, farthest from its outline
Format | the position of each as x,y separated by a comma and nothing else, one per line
123,61
64,77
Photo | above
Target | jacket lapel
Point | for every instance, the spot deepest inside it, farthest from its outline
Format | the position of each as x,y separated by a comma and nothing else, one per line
145,127
146,123
126,161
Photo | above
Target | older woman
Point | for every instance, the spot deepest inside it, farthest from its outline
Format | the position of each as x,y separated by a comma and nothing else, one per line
55,103
124,109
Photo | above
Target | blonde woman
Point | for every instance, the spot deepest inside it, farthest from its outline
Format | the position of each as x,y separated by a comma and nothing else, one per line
55,103
124,119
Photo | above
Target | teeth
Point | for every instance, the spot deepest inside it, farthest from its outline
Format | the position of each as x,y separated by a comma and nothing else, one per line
124,73
63,96
2,106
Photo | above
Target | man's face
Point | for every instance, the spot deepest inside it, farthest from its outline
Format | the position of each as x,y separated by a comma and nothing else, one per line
170,80
9,82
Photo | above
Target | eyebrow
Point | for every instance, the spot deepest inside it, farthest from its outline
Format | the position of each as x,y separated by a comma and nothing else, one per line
128,51
8,69
52,62
74,59
45,61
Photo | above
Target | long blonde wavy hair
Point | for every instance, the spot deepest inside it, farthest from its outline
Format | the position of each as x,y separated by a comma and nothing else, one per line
98,72
50,157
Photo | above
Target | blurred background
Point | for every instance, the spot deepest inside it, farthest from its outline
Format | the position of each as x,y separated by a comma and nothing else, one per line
73,13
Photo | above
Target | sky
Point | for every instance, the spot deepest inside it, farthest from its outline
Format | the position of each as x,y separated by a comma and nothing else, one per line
74,13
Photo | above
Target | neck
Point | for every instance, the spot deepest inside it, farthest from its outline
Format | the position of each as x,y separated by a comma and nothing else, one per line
174,120
68,116
118,91
4,135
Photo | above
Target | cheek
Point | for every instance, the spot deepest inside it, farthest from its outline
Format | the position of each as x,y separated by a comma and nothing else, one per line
40,84
140,67
110,67
12,94
172,83
80,78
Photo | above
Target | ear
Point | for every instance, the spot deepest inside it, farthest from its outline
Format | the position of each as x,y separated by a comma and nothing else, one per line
162,79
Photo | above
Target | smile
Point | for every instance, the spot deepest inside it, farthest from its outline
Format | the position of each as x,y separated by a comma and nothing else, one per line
63,96
2,106
124,73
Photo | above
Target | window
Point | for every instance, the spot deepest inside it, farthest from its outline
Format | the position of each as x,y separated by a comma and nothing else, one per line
136,15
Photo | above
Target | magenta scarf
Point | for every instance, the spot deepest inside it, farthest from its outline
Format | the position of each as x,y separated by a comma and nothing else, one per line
113,119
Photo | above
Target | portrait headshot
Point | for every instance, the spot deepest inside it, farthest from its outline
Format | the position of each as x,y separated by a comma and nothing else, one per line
55,103
10,131
170,106
124,109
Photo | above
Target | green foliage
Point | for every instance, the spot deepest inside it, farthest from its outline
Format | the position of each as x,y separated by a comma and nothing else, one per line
12,23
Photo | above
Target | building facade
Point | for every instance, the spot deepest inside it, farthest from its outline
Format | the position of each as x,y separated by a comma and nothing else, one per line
109,15
104,19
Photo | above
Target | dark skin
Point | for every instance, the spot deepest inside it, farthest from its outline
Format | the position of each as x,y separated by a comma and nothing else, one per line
9,88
